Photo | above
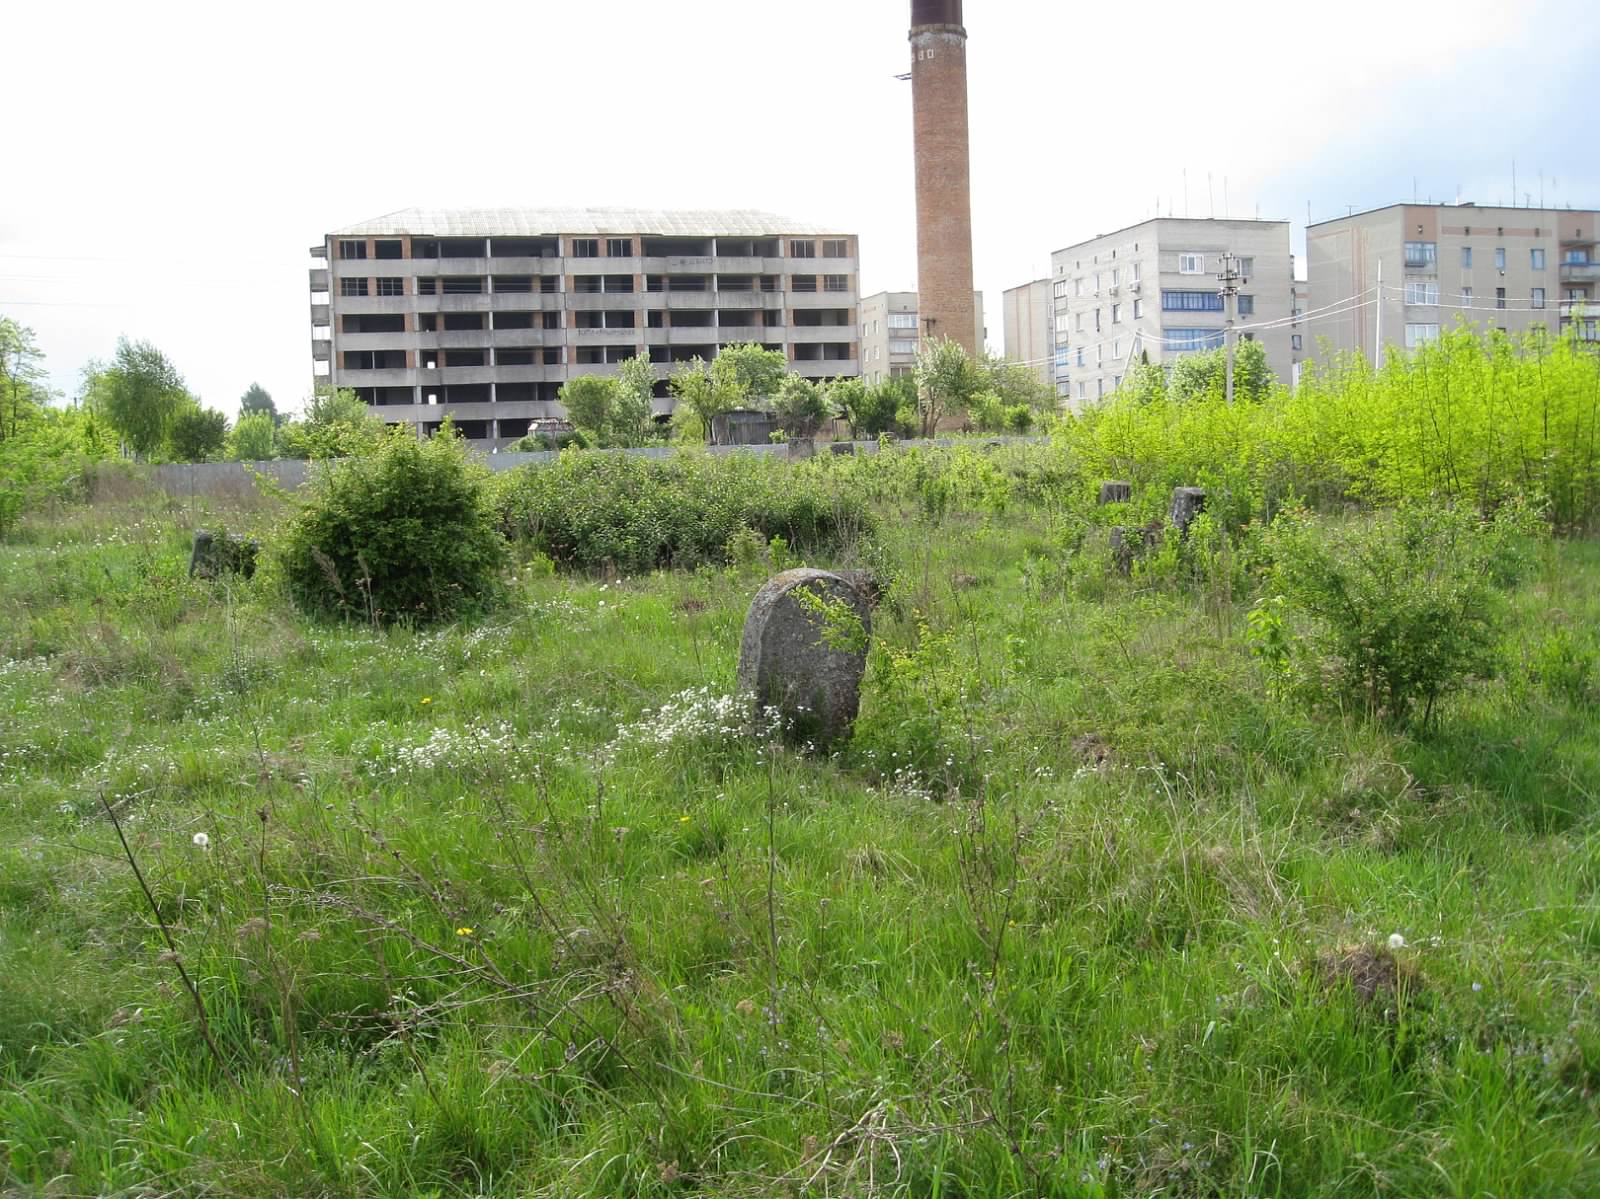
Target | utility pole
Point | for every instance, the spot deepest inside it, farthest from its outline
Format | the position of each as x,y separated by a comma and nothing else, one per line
1377,348
1230,279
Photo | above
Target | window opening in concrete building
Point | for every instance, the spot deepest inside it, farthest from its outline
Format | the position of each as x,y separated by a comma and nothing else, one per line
1417,335
430,362
549,285
802,249
392,287
737,319
1190,301
512,283
655,318
1536,258
425,247
618,283
524,247
803,283
836,248
388,248
464,358
621,318
677,247
902,347
810,317
1499,258
1247,305
736,283
427,322
1189,264
747,247
1499,297
427,285
1245,266
585,247
552,355
551,320
620,353
688,283
457,322
352,287
463,247
588,284
1421,253
1538,297
352,249
514,320
512,393
902,320
1416,293
770,283
514,357
373,322
692,318
374,360
466,393
463,285
619,247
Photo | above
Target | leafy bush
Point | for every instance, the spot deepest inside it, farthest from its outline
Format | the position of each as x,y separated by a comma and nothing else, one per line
1393,613
635,514
404,533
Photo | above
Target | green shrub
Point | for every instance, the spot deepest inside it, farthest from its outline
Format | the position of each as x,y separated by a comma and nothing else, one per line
1394,613
405,533
635,514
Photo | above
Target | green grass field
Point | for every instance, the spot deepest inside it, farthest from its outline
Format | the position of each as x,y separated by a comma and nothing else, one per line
505,908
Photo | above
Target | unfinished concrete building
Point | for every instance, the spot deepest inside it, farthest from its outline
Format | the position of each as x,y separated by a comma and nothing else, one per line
890,324
482,314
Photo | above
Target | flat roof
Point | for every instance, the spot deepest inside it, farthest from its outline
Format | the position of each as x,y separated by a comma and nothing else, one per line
537,222
1469,206
1152,220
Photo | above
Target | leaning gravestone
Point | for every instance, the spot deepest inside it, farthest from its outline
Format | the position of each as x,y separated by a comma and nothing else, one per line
231,553
842,447
1115,491
1187,503
803,654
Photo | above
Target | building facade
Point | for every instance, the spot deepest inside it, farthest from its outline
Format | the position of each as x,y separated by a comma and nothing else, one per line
1029,339
1412,270
483,314
891,328
1152,289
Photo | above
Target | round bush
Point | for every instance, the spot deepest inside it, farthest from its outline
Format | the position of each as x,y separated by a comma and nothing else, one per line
403,533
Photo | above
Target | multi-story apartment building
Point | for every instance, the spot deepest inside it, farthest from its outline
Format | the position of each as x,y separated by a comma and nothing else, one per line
891,330
1029,339
1152,289
1506,268
482,314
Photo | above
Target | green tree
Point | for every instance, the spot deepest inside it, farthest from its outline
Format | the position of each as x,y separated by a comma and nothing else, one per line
197,434
1146,383
140,394
591,401
800,406
947,379
21,388
257,399
754,374
1016,384
253,438
336,425
1204,375
633,421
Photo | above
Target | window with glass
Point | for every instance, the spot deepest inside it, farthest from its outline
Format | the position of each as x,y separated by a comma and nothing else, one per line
1538,297
803,283
1499,297
352,249
1536,258
1191,264
1466,297
1116,314
619,247
1296,342
352,287
586,247
1422,293
836,248
1421,253
835,282
391,287
1185,340
1466,258
906,346
1191,301
1500,258
1247,305
802,249
1419,335
1247,267
1138,309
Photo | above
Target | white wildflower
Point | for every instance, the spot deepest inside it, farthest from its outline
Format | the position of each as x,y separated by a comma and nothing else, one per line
201,841
1396,941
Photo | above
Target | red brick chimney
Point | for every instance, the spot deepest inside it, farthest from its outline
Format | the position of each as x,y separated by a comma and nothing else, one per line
944,204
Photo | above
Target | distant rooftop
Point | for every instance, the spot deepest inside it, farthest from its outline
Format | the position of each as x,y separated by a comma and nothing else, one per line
536,222
1469,205
1193,220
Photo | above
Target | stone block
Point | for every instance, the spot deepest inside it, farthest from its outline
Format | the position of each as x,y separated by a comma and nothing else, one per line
1187,503
1115,491
213,556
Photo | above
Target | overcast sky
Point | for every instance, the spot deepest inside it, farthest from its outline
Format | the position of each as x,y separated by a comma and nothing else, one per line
167,166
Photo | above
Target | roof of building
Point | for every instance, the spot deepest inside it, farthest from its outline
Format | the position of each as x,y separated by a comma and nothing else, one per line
1468,205
1192,220
535,222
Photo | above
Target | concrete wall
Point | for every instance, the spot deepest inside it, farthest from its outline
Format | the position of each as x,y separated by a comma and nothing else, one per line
1027,316
221,479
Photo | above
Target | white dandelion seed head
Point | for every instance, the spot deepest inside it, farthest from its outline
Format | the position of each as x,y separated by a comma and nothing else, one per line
1396,941
201,841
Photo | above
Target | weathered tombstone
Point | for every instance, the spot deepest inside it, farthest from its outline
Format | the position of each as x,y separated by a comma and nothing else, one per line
803,655
1115,491
801,447
1187,503
230,554
842,447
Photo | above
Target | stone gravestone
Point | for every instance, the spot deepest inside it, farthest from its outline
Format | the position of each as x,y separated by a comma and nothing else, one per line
1115,491
842,447
787,663
232,553
1187,503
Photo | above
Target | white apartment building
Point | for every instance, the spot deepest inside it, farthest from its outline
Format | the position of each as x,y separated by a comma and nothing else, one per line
891,329
482,314
1152,289
1029,334
1506,268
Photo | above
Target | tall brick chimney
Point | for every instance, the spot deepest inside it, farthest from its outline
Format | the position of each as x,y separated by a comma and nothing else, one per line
944,204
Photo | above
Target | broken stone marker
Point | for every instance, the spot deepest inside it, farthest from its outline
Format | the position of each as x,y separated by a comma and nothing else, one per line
804,651
1187,503
842,447
212,557
1115,491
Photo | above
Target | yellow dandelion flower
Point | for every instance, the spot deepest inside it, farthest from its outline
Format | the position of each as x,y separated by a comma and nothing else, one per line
426,699
463,932
683,820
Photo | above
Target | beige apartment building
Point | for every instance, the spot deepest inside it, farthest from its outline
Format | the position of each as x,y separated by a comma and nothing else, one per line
1505,268
891,329
1027,312
482,314
1152,289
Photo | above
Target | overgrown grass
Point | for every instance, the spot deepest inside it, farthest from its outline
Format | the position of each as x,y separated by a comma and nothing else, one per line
503,908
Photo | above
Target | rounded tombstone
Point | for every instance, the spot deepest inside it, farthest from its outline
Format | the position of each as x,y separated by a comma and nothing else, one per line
1187,503
804,651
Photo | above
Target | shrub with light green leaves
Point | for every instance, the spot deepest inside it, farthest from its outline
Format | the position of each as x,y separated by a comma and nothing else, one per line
404,533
